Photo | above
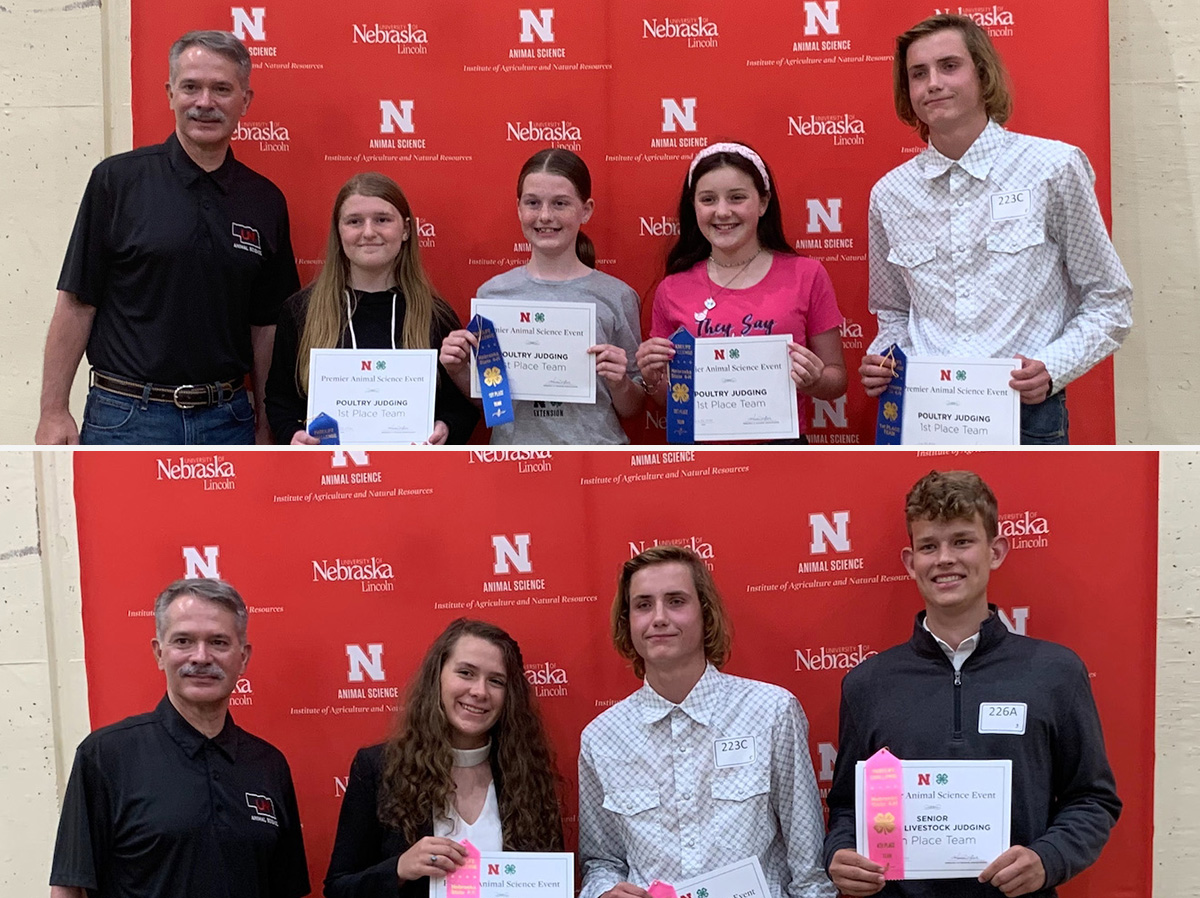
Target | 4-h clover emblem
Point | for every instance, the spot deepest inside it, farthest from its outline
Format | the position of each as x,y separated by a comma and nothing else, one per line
735,353
510,869
491,376
381,365
539,317
960,374
890,411
702,893
885,822
942,779
680,393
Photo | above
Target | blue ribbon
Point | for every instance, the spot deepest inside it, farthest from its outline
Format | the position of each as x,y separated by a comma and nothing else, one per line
493,376
891,401
325,429
681,377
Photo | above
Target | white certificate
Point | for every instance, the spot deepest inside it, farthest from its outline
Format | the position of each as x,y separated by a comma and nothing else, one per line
744,879
545,347
956,819
375,395
960,402
527,874
743,389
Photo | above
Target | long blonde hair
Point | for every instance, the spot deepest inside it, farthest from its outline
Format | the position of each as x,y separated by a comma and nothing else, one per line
326,316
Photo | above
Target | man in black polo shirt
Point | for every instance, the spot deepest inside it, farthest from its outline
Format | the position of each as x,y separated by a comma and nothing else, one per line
182,801
176,269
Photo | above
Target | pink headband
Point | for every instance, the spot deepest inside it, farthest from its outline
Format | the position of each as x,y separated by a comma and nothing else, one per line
738,150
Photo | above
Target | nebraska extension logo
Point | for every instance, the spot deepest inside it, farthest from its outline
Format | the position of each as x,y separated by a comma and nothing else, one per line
374,574
697,31
406,38
214,471
843,129
547,679
1025,530
836,658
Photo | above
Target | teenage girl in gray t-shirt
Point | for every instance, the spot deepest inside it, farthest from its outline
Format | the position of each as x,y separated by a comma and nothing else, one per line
554,199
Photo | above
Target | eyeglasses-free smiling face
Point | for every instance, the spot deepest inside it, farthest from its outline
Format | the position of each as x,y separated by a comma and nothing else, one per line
474,683
207,97
551,212
372,231
951,562
200,652
728,208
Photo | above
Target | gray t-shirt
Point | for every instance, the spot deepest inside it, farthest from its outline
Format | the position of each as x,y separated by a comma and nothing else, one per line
617,323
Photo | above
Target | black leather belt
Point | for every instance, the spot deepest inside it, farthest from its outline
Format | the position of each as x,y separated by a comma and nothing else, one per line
183,396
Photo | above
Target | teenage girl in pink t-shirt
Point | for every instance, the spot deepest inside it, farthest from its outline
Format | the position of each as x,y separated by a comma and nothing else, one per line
732,273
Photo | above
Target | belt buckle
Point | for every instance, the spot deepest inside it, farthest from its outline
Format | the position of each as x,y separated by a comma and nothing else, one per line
183,403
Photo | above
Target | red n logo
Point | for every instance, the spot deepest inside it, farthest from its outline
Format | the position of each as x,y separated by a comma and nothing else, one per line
945,374
718,353
922,779
524,317
493,870
366,366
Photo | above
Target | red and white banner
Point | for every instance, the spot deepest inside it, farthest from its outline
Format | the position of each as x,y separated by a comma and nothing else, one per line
451,98
353,562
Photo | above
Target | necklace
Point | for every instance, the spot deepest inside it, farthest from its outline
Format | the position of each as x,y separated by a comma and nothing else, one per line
711,302
469,757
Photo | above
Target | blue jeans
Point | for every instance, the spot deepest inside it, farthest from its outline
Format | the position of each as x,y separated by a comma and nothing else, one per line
1046,423
111,420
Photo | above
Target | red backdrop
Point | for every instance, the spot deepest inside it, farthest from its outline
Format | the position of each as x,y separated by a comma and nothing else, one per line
352,563
451,98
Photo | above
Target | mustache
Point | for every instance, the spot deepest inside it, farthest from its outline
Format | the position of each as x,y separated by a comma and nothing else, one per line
206,115
194,669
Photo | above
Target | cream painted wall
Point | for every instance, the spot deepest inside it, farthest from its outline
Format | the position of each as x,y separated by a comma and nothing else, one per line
43,704
64,105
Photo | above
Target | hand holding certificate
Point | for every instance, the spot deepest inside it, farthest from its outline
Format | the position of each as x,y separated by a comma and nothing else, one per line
948,819
376,396
949,401
741,389
545,348
528,874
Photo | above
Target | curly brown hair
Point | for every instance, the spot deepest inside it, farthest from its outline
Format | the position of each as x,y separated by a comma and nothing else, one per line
417,785
950,495
718,631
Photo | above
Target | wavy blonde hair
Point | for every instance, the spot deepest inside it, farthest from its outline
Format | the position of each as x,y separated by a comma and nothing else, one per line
325,319
417,786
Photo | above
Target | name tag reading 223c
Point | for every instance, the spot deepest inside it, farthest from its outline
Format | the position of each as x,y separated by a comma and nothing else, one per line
733,752
1014,204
